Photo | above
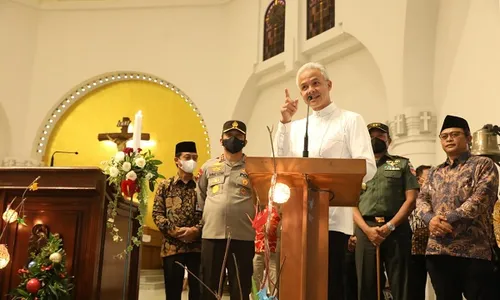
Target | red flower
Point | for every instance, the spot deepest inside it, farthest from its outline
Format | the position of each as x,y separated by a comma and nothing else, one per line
62,275
139,150
22,271
129,188
128,151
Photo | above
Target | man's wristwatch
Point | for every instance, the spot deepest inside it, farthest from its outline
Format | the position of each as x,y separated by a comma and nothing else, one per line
390,226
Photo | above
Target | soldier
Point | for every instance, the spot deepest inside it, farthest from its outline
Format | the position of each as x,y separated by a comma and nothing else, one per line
178,216
382,219
225,189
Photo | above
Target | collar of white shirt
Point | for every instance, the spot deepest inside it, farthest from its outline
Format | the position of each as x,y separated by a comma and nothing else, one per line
328,110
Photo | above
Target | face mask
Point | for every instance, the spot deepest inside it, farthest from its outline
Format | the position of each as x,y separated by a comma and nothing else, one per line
233,145
188,166
378,146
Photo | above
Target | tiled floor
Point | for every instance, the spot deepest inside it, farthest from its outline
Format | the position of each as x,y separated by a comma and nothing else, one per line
160,295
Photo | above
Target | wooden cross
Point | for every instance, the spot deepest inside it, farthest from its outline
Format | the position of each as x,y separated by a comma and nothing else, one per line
424,125
121,138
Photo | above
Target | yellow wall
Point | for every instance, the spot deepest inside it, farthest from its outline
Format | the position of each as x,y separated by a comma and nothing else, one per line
166,116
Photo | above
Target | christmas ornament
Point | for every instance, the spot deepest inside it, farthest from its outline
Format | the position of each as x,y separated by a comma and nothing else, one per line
55,257
31,264
4,256
33,285
9,215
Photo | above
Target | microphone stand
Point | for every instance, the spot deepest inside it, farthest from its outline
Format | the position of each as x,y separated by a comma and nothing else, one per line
305,153
67,152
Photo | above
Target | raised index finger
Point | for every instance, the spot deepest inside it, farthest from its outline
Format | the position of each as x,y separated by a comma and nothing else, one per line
287,94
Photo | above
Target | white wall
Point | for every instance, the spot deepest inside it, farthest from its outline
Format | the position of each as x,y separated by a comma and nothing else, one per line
212,52
467,71
357,86
17,50
184,45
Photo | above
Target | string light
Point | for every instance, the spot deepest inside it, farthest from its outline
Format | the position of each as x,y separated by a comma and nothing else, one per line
85,88
281,193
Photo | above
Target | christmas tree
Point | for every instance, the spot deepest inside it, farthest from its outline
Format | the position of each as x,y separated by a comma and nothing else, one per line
45,276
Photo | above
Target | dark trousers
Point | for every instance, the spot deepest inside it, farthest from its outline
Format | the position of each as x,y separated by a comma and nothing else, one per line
212,256
453,276
174,275
337,244
395,255
350,279
418,277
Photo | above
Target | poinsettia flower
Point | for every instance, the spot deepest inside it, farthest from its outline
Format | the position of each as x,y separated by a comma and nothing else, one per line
126,166
119,156
140,162
129,187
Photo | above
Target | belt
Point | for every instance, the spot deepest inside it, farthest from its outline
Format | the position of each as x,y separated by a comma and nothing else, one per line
378,219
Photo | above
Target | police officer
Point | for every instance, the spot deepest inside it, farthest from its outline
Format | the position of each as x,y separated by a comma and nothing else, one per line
225,189
381,221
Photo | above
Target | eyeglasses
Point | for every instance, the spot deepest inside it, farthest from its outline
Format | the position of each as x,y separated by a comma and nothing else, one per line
453,135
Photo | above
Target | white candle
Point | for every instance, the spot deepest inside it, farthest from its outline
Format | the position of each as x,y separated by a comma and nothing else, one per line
136,137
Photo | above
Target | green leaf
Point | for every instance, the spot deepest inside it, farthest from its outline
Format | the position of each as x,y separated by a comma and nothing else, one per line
155,162
161,176
151,186
21,221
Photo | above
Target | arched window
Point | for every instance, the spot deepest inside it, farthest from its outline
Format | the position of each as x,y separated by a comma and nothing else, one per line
274,29
320,16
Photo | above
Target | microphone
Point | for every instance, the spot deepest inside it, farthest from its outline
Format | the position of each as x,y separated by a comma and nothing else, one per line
305,153
67,152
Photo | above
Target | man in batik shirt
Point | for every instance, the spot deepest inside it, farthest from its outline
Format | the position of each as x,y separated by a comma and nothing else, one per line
177,214
456,202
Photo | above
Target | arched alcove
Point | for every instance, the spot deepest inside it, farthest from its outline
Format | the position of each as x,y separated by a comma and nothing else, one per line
95,106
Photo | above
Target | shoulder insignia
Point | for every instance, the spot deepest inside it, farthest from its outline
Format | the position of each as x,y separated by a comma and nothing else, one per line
412,169
197,177
401,157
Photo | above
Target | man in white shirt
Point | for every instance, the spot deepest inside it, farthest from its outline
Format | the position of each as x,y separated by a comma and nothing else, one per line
333,133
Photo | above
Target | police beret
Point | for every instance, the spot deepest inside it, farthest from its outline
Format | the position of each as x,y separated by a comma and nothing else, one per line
236,125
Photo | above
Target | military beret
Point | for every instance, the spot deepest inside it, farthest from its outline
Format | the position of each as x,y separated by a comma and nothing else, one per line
379,126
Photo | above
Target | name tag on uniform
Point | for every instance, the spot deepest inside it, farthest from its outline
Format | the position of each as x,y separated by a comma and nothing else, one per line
389,168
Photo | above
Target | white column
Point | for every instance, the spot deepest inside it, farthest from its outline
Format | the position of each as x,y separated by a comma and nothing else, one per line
414,135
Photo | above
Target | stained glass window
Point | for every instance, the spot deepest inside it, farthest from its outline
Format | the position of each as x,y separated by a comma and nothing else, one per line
274,29
320,16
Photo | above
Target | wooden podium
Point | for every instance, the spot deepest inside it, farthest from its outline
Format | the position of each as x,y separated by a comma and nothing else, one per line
315,184
71,202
